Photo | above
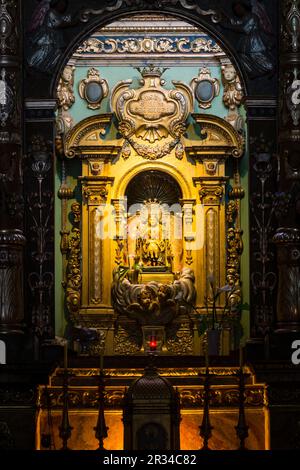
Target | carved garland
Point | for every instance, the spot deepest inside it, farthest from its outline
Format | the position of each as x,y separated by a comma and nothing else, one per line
73,275
151,152
234,244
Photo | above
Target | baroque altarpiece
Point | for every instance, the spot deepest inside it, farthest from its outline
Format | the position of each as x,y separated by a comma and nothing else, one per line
149,192
159,189
152,175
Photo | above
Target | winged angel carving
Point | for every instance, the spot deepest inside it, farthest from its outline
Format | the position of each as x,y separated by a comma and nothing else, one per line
153,303
45,39
256,39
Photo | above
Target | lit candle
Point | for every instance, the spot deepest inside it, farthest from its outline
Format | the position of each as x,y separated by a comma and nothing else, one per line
241,356
66,354
101,363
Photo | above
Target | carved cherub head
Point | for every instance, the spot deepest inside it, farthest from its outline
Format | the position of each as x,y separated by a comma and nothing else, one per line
233,93
163,293
67,74
145,298
65,92
229,73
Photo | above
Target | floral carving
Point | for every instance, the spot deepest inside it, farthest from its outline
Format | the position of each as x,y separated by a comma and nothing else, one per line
73,274
136,45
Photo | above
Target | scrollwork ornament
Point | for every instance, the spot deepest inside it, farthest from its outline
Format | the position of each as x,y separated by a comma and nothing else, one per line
152,114
156,45
214,15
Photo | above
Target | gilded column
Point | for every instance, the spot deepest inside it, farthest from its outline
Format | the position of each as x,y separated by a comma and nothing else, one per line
188,232
120,230
287,236
11,180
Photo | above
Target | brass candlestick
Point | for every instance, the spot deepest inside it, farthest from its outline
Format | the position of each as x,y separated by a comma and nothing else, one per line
101,428
65,430
206,428
242,428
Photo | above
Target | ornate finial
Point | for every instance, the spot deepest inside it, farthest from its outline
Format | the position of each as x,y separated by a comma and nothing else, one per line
151,70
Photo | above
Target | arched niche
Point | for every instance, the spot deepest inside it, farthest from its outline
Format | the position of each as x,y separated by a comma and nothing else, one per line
42,89
185,137
154,222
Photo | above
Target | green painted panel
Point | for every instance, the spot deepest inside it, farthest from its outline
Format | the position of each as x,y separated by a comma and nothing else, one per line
115,74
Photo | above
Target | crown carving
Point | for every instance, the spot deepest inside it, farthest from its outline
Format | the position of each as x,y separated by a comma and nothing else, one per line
151,70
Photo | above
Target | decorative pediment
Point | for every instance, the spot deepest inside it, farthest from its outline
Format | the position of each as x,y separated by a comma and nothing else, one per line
151,118
87,135
217,137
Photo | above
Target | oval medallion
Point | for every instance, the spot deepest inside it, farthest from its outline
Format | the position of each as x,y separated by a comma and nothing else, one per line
94,92
205,91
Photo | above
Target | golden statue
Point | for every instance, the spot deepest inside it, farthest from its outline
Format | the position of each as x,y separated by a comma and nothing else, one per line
152,247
